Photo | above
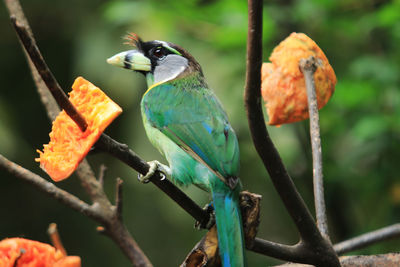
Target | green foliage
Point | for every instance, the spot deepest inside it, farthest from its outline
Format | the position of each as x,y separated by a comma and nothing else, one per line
360,125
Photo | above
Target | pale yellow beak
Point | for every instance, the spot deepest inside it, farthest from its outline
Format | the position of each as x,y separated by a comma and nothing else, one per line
131,60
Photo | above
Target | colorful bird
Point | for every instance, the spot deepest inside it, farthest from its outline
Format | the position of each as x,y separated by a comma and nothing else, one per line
185,121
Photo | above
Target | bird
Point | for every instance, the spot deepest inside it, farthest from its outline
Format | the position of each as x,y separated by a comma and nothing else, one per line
186,122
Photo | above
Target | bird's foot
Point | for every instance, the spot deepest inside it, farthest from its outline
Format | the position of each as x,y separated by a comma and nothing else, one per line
154,166
209,208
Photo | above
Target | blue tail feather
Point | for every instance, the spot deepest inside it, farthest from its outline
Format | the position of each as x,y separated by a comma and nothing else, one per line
229,227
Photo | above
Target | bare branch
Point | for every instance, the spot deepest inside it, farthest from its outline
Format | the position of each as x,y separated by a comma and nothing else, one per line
381,260
295,253
308,67
51,83
368,239
91,185
50,189
15,9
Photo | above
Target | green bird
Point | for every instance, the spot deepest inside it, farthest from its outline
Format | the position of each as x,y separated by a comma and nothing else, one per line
185,121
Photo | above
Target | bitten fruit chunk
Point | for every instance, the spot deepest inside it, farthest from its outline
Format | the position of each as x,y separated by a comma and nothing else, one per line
21,252
68,145
283,86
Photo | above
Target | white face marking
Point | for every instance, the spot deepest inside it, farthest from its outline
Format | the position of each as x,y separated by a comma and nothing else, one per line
169,68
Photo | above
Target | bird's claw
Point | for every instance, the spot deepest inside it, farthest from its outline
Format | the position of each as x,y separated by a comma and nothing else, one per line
209,208
154,166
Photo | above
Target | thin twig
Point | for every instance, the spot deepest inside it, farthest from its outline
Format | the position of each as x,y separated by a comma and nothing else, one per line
102,173
118,198
52,231
14,8
368,239
37,59
308,67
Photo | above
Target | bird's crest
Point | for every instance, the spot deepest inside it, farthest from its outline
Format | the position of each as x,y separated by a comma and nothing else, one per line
133,39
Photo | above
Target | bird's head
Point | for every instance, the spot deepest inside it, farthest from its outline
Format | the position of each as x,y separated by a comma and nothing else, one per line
160,61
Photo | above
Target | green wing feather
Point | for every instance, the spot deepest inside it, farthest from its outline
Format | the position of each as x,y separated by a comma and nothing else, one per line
195,121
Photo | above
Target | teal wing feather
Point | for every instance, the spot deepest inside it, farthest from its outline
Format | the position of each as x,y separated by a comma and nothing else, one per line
195,121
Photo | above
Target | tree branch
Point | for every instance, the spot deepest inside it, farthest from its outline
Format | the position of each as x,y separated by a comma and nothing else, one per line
48,101
41,66
118,198
308,67
51,190
368,239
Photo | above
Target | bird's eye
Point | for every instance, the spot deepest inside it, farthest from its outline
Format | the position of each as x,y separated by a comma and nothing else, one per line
159,52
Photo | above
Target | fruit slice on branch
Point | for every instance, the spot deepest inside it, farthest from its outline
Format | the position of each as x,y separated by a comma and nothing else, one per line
283,86
68,145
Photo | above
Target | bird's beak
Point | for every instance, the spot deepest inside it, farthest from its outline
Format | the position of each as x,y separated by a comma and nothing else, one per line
131,60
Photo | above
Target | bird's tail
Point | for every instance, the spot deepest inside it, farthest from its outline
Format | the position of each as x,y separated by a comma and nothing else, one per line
229,226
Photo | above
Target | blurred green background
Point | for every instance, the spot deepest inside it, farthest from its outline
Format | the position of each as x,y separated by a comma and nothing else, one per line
360,126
